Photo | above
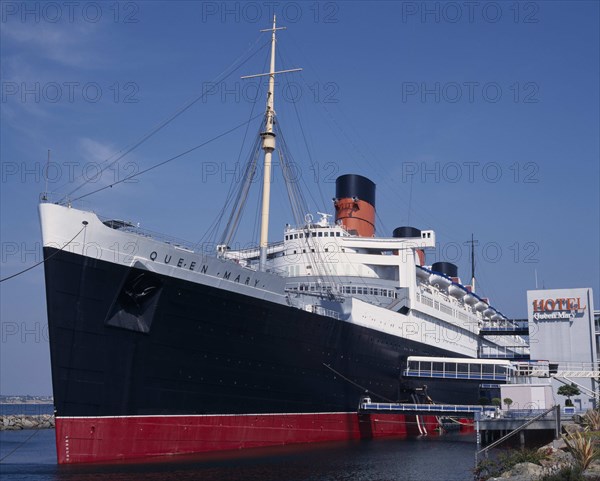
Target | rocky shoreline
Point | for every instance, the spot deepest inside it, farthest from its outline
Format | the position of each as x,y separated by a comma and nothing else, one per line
14,422
557,460
574,457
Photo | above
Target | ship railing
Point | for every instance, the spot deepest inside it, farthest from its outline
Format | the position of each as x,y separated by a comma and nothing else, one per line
127,226
250,251
433,408
454,311
61,199
314,287
322,311
316,309
130,227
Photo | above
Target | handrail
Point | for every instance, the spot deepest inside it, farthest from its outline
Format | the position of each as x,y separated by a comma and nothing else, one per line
518,430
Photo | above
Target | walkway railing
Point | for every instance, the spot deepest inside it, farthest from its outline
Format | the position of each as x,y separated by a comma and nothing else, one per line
496,443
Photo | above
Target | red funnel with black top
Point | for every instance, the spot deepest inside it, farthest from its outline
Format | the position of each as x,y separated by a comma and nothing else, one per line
355,204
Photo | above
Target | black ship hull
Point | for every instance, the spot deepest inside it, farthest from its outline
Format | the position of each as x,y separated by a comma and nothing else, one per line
127,342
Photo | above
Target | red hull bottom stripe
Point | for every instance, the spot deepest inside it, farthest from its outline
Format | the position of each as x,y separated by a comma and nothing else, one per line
100,439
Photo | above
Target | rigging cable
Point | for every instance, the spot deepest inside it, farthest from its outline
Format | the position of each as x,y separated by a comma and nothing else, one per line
136,174
47,258
220,78
310,157
215,225
356,384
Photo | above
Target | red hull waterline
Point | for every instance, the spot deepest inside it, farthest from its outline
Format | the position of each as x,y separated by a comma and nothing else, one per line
103,439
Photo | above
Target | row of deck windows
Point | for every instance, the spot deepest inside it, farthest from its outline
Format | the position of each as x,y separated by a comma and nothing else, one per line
369,291
313,234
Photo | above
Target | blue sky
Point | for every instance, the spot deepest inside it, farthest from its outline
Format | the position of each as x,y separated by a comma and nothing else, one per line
476,119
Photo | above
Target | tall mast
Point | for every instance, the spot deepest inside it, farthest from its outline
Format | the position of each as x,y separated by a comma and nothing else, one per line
268,145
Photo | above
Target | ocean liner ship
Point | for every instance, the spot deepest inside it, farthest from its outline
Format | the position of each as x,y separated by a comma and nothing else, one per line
159,349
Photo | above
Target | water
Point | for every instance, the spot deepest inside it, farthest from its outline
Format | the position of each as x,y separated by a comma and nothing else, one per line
29,409
30,456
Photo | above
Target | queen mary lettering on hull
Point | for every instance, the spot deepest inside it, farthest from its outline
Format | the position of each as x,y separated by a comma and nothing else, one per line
164,350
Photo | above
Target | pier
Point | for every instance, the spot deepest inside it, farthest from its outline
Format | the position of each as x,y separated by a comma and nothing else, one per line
465,411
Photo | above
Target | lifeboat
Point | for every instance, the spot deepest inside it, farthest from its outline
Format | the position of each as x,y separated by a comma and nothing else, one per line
480,305
456,290
470,299
439,280
422,274
489,312
497,316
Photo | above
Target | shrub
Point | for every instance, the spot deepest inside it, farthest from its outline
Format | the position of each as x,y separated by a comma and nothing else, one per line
591,420
582,448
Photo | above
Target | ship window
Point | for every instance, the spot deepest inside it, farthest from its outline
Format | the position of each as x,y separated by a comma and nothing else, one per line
326,234
326,249
320,234
295,236
312,250
301,236
375,292
304,251
337,234
354,290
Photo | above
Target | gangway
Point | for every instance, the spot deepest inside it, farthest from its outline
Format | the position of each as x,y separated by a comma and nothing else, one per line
459,368
495,369
465,410
510,330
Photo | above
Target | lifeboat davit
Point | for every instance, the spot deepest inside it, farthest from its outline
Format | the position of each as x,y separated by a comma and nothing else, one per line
439,280
456,290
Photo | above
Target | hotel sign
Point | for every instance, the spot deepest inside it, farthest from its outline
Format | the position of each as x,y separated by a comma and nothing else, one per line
559,308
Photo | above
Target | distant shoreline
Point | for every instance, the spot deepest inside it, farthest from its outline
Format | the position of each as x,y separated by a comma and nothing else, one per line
9,403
